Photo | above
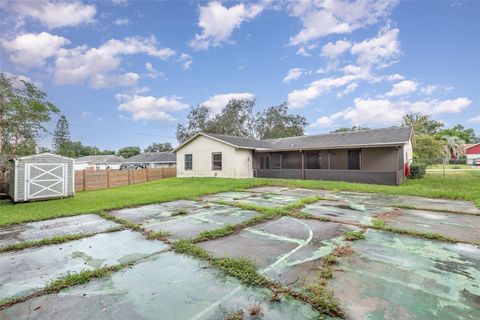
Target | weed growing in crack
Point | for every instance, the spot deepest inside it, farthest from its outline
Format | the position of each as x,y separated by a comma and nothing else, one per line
353,235
255,310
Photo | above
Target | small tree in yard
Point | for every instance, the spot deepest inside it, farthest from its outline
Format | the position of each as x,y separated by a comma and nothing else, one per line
23,111
159,147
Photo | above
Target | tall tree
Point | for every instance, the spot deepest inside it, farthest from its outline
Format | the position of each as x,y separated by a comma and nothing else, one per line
350,129
62,144
128,152
460,132
274,122
236,119
197,121
421,124
23,111
159,147
428,149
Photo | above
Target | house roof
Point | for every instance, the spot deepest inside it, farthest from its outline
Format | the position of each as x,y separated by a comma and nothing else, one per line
101,159
471,145
373,137
159,157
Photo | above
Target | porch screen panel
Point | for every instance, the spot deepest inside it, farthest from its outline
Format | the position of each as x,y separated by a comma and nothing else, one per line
291,160
313,160
276,159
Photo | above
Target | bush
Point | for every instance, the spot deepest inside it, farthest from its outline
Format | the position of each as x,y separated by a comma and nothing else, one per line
417,171
458,161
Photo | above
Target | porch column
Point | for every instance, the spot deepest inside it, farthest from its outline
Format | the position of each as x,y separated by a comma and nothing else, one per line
360,159
303,165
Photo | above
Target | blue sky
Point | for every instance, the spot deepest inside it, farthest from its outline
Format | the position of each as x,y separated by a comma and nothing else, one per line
126,72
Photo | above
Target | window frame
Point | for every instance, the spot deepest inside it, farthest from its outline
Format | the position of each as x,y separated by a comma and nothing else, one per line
213,161
190,168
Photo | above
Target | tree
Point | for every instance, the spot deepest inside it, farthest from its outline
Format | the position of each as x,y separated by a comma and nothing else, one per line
23,111
197,121
421,124
128,152
62,144
352,129
274,122
460,132
428,148
236,119
159,147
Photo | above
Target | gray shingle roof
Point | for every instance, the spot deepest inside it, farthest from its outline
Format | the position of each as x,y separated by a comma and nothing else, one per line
101,159
167,157
384,136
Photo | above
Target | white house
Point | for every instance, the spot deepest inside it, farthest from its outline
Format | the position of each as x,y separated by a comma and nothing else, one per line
472,152
153,160
99,162
368,156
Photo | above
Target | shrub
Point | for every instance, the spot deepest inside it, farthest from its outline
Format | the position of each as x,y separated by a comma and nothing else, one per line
417,171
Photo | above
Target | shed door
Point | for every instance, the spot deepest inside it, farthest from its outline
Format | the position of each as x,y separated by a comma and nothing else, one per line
45,180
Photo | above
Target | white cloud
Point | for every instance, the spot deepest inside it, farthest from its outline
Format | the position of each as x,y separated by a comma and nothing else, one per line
387,112
218,23
185,60
334,50
293,74
381,50
323,122
33,49
474,119
122,22
395,77
402,88
95,65
152,72
149,108
56,14
219,101
321,18
349,89
300,98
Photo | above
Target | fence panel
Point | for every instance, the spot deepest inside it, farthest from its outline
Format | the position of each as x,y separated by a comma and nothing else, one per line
4,179
104,179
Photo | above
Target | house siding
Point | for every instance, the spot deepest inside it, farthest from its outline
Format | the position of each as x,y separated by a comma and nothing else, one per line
236,163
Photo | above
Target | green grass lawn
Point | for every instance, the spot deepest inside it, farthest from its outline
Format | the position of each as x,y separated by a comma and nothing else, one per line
464,185
449,166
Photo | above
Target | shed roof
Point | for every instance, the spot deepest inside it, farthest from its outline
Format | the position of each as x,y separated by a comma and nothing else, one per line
158,157
364,138
101,159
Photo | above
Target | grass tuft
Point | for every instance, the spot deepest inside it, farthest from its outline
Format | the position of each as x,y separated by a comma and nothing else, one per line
353,235
382,225
158,235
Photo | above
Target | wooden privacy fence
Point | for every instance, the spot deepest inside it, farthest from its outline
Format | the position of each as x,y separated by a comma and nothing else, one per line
4,177
104,179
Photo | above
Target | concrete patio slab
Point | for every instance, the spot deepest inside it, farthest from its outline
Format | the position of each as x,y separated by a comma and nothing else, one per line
228,196
459,226
25,271
268,189
284,248
259,199
345,212
210,217
165,286
412,201
307,192
391,276
158,212
86,223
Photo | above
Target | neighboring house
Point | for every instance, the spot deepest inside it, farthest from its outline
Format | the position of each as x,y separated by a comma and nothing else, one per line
153,160
369,156
99,162
473,152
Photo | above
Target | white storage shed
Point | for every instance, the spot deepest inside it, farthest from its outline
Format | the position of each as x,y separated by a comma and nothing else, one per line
41,176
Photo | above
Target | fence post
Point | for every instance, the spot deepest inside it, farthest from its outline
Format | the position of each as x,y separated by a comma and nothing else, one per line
163,173
108,178
84,181
146,173
129,182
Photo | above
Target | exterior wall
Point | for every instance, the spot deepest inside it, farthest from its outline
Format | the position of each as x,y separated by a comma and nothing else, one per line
235,163
19,173
379,159
471,157
408,153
